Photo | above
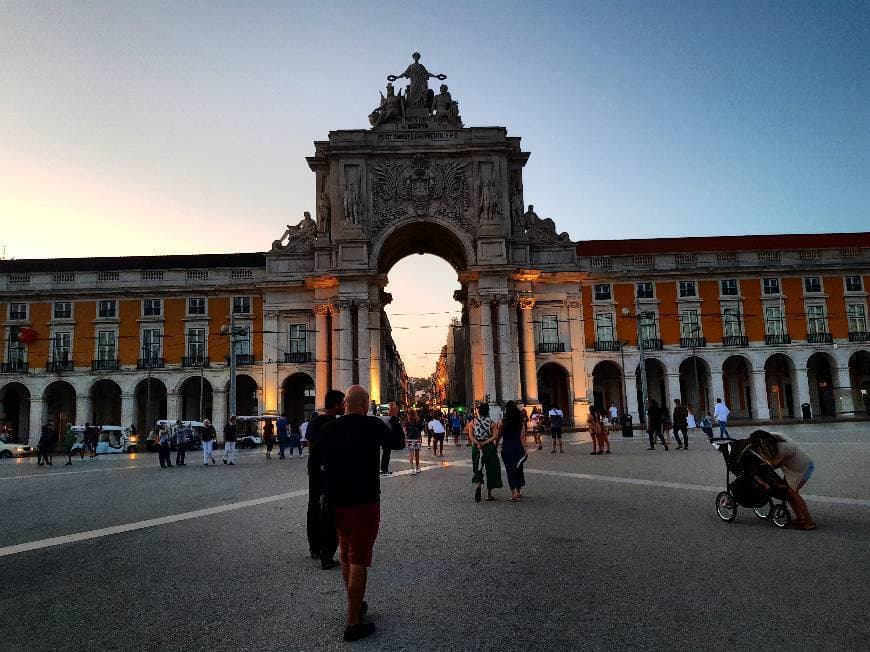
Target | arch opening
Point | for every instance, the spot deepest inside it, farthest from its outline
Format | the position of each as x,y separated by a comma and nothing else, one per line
15,412
60,404
695,384
737,384
196,398
150,396
779,378
297,396
859,376
421,237
554,389
656,385
105,403
821,371
607,386
247,403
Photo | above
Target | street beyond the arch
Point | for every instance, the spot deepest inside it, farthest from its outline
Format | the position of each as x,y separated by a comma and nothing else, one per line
615,551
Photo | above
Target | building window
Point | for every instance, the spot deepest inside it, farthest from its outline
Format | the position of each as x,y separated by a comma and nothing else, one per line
690,325
853,284
731,322
688,289
196,306
729,287
16,352
151,307
107,309
151,338
645,291
549,329
602,292
297,338
816,320
770,286
105,345
196,343
241,305
60,347
604,327
773,324
18,311
857,318
648,330
812,284
62,310
242,345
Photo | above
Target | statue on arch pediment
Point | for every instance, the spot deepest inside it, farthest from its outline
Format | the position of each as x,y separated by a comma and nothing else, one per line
297,239
391,109
542,231
419,95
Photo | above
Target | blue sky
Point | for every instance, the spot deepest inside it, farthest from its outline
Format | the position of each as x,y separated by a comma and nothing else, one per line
156,127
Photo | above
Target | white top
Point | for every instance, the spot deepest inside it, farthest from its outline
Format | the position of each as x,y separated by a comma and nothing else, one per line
793,460
303,428
614,413
721,412
690,421
436,426
555,412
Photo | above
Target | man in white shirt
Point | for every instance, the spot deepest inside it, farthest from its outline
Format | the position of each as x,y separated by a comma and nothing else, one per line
437,429
614,413
721,413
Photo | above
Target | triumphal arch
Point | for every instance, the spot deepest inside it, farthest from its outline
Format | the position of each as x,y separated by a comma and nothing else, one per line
420,181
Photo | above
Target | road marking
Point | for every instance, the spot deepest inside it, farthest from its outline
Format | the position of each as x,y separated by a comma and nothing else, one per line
834,500
50,474
163,520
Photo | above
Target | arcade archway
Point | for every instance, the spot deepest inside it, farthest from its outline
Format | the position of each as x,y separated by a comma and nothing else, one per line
779,376
607,386
737,384
554,389
821,370
297,396
656,385
15,411
105,403
247,403
859,377
695,384
60,404
150,403
195,396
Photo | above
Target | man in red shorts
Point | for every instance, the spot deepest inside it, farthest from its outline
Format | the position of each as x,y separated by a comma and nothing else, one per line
350,450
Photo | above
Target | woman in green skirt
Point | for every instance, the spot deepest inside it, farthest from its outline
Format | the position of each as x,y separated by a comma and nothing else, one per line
483,435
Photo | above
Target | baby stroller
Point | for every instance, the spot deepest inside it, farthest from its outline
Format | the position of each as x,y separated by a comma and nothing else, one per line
746,490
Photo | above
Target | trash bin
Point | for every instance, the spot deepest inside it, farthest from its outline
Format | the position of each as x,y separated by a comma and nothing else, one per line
806,411
626,426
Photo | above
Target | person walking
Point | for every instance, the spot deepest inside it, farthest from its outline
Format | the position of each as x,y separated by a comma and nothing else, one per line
707,426
455,427
667,424
294,438
414,440
513,449
536,419
393,422
320,519
592,424
436,428
349,449
691,423
614,413
182,437
557,418
654,424
269,437
283,428
231,433
721,412
46,444
483,434
69,440
681,424
164,444
92,438
209,434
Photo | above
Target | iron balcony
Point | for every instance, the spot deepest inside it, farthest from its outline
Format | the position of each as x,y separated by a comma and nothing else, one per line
551,347
608,345
297,357
14,367
859,336
149,363
693,342
195,361
58,366
735,340
654,344
243,359
774,340
820,338
104,365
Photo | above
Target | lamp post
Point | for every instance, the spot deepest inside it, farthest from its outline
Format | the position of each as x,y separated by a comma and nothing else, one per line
695,330
648,314
624,387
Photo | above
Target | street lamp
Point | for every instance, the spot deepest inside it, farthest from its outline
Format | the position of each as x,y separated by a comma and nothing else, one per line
695,332
648,314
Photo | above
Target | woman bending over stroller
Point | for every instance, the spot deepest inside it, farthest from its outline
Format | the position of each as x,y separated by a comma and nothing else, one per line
781,452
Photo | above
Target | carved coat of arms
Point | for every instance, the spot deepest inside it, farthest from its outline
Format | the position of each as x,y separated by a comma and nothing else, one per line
421,189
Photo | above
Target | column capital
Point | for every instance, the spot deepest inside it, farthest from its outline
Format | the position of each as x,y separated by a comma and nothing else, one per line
525,302
474,301
322,309
574,301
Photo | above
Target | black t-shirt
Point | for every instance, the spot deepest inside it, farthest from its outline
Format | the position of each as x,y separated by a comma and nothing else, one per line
230,432
208,433
312,435
350,450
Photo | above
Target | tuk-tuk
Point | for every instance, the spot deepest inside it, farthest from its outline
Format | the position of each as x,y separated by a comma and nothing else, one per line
193,443
112,439
251,429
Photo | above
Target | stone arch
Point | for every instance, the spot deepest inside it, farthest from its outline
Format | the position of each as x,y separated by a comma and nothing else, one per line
247,401
105,395
150,403
416,236
297,396
780,379
60,405
695,380
656,384
15,411
190,408
554,388
859,381
737,386
607,385
821,376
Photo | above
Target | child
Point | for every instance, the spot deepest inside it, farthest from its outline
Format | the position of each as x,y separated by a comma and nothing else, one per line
707,426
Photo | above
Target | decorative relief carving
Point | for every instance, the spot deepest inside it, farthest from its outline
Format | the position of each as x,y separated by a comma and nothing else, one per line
323,213
322,309
297,239
526,303
374,306
474,301
422,188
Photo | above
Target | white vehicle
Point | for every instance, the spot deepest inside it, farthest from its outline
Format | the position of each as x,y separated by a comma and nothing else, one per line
195,441
8,449
250,430
112,439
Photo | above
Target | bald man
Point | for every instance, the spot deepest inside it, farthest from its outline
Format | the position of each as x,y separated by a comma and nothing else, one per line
350,452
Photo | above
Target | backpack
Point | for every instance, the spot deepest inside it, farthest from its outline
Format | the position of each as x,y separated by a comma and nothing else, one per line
556,420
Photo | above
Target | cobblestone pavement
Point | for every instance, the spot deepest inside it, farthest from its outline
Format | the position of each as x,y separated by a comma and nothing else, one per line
605,552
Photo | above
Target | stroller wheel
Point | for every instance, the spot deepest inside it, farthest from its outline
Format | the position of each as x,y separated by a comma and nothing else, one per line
780,515
726,508
764,511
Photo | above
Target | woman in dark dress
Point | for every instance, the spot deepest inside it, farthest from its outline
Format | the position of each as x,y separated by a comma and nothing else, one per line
513,449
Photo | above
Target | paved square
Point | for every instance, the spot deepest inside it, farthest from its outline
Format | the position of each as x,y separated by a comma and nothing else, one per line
606,552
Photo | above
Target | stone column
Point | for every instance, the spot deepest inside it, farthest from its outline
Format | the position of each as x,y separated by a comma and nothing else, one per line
345,346
631,405
128,410
374,320
172,411
322,355
272,355
515,361
219,411
486,350
475,391
37,420
578,359
530,373
506,352
673,389
717,387
363,346
83,409
335,349
759,395
843,396
802,382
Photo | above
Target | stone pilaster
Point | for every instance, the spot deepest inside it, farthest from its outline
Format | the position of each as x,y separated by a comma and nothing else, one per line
37,418
374,339
128,410
272,355
322,354
475,394
530,373
345,346
487,353
83,409
759,395
578,359
507,355
363,346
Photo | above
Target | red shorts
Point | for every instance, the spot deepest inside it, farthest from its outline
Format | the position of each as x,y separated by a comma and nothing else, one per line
357,528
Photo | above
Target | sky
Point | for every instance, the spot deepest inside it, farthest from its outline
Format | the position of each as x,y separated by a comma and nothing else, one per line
172,127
